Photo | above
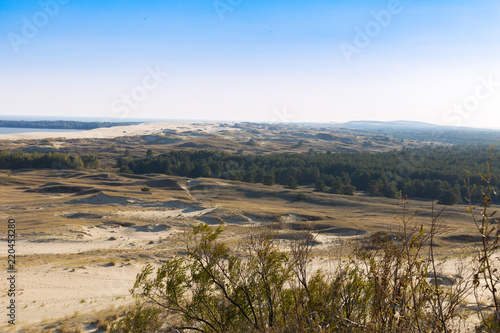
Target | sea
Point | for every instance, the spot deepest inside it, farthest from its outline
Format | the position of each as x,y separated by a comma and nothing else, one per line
11,130
14,130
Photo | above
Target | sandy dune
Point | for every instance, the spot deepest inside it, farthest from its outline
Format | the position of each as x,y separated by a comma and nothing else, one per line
54,292
117,131
99,238
81,252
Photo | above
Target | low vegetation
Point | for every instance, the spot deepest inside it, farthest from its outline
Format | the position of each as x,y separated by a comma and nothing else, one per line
234,278
390,283
262,288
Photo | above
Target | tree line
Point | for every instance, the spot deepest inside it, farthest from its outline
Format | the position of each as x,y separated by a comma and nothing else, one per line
22,160
60,124
436,173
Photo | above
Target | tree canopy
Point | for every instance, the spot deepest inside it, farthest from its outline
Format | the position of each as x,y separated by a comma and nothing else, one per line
431,172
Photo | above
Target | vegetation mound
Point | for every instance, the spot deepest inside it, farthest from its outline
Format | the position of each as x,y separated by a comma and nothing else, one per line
104,199
83,216
63,189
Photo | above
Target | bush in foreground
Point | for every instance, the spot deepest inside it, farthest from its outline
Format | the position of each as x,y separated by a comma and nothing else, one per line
260,288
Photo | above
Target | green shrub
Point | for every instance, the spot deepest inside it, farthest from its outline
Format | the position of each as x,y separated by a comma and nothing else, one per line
300,197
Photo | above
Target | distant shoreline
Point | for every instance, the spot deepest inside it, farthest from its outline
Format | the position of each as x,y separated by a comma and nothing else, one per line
58,124
102,119
20,130
112,132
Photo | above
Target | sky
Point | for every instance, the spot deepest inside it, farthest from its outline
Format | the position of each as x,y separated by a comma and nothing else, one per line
241,60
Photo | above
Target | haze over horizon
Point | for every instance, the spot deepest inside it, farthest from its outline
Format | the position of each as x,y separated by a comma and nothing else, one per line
237,60
401,123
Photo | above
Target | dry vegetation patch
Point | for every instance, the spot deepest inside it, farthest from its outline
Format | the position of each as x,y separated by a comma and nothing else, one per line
84,235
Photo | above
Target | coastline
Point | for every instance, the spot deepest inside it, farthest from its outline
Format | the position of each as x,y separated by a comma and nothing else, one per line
117,131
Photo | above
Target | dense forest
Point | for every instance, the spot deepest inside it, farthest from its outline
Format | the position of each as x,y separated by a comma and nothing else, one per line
59,124
431,172
21,160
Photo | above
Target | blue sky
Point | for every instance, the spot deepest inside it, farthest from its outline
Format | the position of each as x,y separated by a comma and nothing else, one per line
433,61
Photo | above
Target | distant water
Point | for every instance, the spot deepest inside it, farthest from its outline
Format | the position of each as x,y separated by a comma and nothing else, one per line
11,130
102,119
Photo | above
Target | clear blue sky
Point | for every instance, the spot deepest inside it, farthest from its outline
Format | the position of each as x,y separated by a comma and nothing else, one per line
253,60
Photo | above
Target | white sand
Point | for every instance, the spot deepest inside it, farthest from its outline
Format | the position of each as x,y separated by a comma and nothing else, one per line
50,292
117,131
99,238
55,290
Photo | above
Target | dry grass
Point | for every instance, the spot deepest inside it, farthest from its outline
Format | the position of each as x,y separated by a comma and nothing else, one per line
59,219
54,216
79,323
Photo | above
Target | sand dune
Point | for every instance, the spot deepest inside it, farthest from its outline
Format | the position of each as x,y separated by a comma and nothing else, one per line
47,290
117,131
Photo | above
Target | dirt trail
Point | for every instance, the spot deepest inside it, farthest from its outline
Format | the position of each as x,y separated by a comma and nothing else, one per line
185,188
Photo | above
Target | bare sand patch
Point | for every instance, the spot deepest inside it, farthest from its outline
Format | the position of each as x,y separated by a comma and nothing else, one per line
48,292
162,215
105,199
90,238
